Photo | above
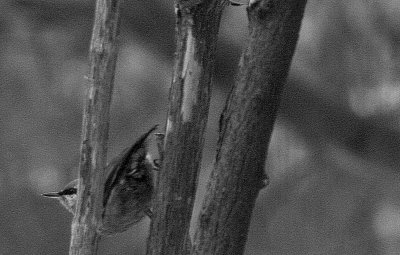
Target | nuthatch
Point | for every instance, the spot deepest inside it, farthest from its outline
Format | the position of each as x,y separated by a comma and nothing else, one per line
127,191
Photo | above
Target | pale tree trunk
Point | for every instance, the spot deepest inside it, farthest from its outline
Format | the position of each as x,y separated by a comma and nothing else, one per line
197,24
246,126
103,56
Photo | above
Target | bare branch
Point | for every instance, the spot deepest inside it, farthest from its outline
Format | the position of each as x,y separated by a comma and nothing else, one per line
197,24
246,126
103,56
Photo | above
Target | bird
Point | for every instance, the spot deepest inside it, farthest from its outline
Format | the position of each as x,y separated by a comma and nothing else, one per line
128,189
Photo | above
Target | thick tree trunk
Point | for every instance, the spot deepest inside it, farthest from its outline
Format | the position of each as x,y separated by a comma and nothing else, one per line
246,126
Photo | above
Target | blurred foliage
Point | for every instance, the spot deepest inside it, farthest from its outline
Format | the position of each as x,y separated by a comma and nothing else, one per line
334,156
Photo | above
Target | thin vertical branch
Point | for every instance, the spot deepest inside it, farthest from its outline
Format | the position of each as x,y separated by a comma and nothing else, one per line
197,24
246,126
103,57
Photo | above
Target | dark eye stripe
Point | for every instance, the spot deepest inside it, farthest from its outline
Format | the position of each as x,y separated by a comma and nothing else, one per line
69,191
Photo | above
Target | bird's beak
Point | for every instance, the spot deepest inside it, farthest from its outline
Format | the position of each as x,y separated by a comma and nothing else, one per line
51,194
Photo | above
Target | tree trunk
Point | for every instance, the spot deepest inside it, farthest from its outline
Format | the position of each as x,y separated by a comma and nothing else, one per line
103,56
246,126
197,24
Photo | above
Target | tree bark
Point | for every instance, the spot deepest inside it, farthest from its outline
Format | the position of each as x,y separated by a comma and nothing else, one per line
197,24
103,56
246,126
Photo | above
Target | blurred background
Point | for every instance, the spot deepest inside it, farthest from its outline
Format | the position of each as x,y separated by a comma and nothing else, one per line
334,157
